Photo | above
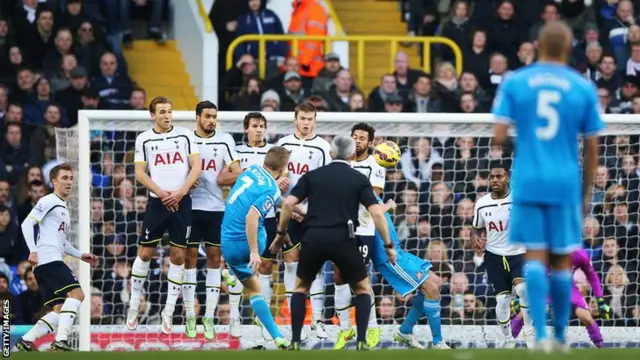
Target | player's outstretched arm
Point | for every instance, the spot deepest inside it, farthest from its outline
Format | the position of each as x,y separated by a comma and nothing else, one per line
229,174
380,221
143,178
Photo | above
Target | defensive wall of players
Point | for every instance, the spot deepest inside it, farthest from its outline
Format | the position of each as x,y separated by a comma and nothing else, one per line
74,145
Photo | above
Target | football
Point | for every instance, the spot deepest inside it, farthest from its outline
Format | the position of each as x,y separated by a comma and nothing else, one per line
387,154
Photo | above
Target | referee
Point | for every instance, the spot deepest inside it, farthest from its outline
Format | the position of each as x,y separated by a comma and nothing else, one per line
334,193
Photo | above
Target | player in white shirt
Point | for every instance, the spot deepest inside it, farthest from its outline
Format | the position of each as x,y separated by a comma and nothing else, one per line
251,153
308,152
170,156
58,285
363,134
220,168
503,261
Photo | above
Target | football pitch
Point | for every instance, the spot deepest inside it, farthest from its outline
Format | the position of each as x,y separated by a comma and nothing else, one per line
476,354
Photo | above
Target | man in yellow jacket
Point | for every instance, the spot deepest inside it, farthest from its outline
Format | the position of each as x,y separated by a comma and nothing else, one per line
309,18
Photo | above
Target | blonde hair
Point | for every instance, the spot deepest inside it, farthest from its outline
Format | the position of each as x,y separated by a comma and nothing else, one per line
614,270
446,66
443,248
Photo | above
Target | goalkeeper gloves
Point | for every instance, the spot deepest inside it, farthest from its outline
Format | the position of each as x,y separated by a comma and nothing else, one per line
605,310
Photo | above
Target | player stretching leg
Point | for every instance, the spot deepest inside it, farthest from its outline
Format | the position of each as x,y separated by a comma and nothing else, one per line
308,152
408,274
171,156
58,285
253,153
363,135
244,236
503,260
551,106
220,167
580,260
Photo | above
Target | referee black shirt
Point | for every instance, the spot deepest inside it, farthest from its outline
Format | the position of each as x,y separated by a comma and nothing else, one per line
334,193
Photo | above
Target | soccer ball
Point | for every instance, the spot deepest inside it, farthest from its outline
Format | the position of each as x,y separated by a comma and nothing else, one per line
387,154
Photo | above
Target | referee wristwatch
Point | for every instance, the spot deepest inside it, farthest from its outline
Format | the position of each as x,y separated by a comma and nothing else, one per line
390,246
281,232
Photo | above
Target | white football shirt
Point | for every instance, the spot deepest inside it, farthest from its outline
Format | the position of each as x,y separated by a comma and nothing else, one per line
254,156
166,155
376,175
216,152
305,155
53,220
493,216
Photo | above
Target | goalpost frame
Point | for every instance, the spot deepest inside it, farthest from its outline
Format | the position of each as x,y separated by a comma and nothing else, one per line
386,124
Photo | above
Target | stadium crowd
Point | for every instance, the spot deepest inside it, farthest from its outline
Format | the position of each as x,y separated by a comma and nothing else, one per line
57,57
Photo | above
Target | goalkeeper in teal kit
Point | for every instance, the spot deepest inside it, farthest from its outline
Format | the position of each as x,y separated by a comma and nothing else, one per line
551,106
244,236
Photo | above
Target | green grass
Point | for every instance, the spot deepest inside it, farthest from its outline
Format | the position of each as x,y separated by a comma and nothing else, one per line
476,354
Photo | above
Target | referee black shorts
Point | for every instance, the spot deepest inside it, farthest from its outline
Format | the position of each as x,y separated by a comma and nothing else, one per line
320,245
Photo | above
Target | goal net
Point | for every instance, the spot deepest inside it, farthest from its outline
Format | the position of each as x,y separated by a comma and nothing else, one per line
443,171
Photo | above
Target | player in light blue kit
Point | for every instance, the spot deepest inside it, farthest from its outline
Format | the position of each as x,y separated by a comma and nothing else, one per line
243,235
550,105
408,274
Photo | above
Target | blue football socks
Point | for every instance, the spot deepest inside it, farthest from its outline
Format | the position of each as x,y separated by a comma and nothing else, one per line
538,292
261,309
432,311
560,283
415,313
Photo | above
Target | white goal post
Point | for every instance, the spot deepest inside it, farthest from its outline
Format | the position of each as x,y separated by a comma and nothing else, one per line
386,124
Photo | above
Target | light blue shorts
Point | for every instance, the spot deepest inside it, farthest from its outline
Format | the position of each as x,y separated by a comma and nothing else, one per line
557,228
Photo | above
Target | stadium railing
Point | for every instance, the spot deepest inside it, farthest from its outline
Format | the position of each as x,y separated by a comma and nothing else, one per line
75,145
360,40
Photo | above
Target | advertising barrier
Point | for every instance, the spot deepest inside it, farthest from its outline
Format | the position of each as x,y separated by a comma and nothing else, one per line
149,338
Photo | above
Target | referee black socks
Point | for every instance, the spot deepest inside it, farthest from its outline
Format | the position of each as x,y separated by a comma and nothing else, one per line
362,302
298,312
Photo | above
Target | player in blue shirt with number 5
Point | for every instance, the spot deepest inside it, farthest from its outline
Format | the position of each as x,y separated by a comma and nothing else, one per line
244,236
551,106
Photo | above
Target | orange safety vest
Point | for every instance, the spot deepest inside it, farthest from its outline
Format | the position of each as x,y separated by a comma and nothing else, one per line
309,18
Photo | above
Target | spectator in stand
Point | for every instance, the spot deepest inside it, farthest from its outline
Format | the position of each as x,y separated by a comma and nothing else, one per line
271,99
15,153
505,32
63,45
590,68
43,139
378,96
138,100
88,49
445,85
25,79
357,101
61,79
113,87
259,20
457,28
633,64
40,40
469,85
328,74
417,160
4,101
11,250
309,18
550,12
424,18
422,99
237,76
498,69
591,35
405,76
476,57
609,77
155,20
394,103
526,55
31,299
291,64
36,191
293,93
249,96
617,29
337,96
37,102
629,87
71,97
